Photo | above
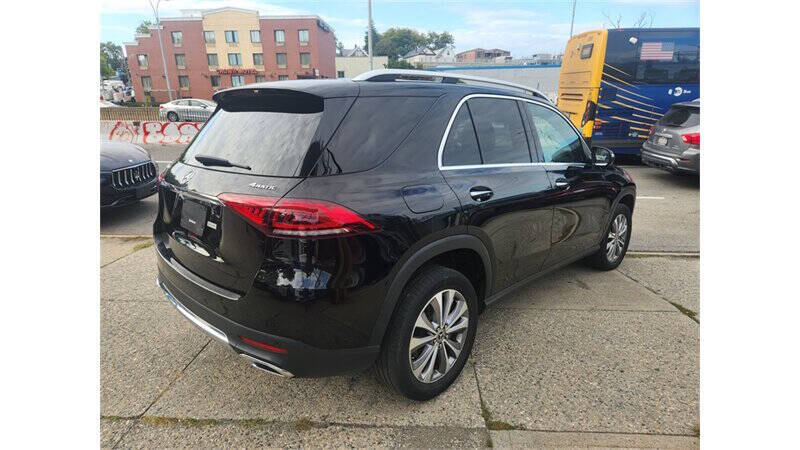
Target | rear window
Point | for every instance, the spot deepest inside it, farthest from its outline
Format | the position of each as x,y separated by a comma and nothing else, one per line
373,129
269,133
681,116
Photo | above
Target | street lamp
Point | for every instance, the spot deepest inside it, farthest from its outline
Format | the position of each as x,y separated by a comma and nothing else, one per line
161,45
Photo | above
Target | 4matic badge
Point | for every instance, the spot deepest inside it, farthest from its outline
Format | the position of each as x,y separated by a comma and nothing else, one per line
262,186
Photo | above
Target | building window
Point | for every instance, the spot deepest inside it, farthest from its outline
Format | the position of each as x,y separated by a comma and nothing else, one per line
210,37
213,61
302,36
142,61
280,37
232,37
255,36
214,81
260,78
147,83
237,80
280,58
340,74
258,59
180,60
183,81
283,77
177,38
305,60
234,59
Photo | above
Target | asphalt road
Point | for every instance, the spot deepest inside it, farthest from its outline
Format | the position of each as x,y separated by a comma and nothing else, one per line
666,217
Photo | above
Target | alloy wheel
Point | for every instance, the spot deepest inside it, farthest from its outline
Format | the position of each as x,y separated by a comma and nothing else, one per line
617,236
438,335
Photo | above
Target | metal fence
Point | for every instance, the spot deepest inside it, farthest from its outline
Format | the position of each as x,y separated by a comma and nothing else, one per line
127,113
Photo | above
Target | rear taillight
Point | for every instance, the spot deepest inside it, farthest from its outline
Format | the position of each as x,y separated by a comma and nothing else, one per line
293,217
263,346
652,128
691,138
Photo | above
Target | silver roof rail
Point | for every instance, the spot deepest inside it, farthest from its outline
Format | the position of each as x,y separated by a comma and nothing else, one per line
441,77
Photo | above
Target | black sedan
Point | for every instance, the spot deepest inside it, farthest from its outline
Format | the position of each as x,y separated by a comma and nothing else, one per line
127,174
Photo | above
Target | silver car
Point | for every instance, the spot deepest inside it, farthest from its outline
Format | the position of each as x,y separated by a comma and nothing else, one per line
186,110
674,141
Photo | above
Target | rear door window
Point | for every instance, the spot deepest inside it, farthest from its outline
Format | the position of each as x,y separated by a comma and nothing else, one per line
501,134
681,116
461,148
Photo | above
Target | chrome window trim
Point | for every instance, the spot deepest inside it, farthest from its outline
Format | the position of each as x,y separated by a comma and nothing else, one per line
489,166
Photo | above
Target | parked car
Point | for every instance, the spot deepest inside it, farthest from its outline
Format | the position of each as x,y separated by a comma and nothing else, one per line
127,174
674,141
322,226
186,110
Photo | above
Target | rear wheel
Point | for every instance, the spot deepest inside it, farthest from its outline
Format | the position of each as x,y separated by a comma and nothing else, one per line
431,334
172,116
615,242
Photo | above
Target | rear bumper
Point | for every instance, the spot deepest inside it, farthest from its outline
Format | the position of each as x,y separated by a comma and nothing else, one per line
688,161
296,359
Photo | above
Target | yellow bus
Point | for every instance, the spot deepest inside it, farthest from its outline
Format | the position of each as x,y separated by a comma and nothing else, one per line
615,84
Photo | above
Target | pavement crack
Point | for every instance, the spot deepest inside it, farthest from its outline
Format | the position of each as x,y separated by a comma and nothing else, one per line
138,418
685,311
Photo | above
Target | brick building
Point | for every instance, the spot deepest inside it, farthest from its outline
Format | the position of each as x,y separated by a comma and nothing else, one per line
481,55
209,50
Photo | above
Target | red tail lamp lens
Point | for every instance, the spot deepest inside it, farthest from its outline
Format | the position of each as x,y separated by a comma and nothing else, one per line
263,346
691,138
297,217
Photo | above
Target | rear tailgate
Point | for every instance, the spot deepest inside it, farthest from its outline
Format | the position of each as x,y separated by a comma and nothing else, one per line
666,135
270,136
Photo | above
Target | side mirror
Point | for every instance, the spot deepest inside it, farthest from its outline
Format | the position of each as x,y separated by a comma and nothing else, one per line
602,156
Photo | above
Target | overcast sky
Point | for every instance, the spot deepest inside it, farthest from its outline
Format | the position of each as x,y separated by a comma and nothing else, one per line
523,27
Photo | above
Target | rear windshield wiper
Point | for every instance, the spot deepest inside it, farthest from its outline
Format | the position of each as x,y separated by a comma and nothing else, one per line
212,161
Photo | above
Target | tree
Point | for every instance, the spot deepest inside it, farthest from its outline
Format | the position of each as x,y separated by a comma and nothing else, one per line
105,70
144,27
396,42
375,38
645,20
113,54
436,40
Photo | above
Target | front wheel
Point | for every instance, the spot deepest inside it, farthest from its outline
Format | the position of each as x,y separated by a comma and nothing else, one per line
615,242
431,334
172,116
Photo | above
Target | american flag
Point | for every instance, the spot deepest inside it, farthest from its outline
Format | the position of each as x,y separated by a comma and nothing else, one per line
657,51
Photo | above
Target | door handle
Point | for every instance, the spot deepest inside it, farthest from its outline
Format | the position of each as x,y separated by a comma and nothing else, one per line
480,193
562,183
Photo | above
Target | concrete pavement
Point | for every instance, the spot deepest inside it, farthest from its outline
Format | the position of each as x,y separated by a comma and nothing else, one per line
579,358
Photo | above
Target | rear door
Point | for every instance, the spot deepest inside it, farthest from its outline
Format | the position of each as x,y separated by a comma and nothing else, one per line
580,195
486,159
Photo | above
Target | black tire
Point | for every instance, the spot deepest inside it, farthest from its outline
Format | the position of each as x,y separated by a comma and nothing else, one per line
172,116
601,260
393,366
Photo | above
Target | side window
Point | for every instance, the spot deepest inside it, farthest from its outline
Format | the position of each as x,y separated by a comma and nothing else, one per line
558,140
501,134
461,148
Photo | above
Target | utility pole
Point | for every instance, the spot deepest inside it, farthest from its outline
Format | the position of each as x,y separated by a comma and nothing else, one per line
161,44
572,22
369,32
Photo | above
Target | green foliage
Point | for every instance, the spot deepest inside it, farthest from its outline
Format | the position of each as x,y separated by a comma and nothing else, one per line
396,42
105,70
398,64
375,38
143,27
436,40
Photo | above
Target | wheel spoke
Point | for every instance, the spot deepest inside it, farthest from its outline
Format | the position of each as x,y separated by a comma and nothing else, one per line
458,326
424,323
417,342
458,311
610,252
444,360
447,303
428,372
436,303
454,346
418,366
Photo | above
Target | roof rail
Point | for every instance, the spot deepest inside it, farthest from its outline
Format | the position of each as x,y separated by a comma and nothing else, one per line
441,77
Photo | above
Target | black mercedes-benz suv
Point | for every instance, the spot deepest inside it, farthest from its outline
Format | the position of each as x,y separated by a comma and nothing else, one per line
323,226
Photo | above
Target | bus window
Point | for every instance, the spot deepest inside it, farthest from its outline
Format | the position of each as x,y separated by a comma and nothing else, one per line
586,51
668,58
621,54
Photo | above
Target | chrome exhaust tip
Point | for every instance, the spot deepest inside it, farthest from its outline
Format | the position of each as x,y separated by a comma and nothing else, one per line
265,366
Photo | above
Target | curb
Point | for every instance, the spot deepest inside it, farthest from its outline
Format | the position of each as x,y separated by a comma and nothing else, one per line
640,254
